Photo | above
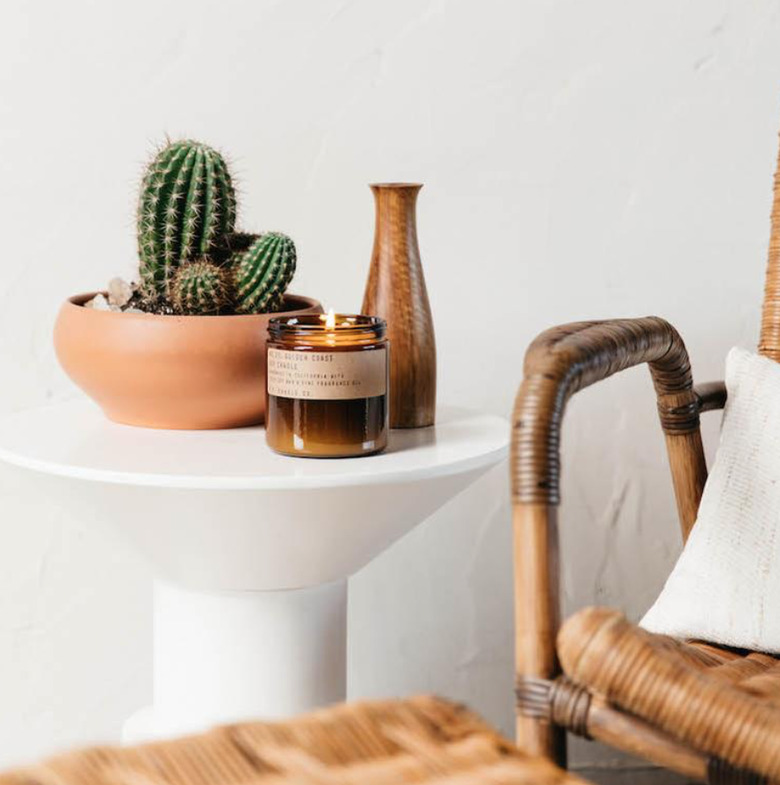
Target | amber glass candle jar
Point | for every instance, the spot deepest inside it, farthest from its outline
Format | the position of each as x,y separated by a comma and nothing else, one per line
327,385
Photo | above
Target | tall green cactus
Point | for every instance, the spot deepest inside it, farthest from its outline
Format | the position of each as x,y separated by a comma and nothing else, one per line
262,273
201,288
186,208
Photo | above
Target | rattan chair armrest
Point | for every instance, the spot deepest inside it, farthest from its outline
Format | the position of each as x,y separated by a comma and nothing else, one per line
558,363
710,395
568,358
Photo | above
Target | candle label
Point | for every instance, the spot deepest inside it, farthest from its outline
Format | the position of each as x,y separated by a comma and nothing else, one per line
327,376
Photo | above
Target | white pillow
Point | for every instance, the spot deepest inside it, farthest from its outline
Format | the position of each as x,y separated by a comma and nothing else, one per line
725,588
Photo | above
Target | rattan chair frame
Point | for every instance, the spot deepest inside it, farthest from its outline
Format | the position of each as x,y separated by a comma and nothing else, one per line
559,363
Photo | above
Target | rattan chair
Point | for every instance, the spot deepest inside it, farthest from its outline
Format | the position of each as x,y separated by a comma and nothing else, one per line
420,740
712,714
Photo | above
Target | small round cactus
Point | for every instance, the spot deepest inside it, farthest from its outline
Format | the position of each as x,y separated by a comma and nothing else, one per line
186,209
200,288
262,273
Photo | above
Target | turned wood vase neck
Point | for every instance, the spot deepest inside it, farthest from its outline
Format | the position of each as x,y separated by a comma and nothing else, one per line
396,208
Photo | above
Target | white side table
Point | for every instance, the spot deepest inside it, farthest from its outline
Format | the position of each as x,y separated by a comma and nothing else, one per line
253,549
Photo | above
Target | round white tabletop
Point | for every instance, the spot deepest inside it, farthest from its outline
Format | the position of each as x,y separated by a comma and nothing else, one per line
75,440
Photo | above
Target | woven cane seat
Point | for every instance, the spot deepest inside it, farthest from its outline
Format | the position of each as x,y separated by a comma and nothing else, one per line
420,740
718,701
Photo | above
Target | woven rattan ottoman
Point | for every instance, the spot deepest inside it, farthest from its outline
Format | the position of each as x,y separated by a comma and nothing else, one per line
422,739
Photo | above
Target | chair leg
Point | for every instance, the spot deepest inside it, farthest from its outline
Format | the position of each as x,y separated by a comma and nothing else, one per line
538,737
535,724
537,617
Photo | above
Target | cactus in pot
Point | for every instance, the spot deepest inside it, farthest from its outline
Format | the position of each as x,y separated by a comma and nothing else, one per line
169,351
262,273
186,209
192,260
201,288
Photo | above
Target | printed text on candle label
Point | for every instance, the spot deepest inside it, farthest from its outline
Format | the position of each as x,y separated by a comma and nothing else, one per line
327,376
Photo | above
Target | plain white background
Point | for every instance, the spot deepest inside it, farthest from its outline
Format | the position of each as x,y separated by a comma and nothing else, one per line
580,160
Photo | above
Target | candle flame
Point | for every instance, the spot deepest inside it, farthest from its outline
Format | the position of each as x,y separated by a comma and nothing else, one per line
330,320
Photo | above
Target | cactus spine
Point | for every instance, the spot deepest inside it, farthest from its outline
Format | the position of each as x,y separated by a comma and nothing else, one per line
200,288
262,273
186,208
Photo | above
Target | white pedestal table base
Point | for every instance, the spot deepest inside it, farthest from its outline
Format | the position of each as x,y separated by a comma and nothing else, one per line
232,655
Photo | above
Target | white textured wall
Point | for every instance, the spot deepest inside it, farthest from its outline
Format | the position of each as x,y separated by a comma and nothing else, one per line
580,159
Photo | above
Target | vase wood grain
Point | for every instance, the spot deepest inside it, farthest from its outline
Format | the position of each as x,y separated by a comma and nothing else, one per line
396,292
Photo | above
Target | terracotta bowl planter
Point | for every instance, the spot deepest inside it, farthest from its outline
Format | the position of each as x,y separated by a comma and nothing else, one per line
185,372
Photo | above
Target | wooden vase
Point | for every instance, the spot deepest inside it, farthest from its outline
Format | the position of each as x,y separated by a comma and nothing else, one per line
396,292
